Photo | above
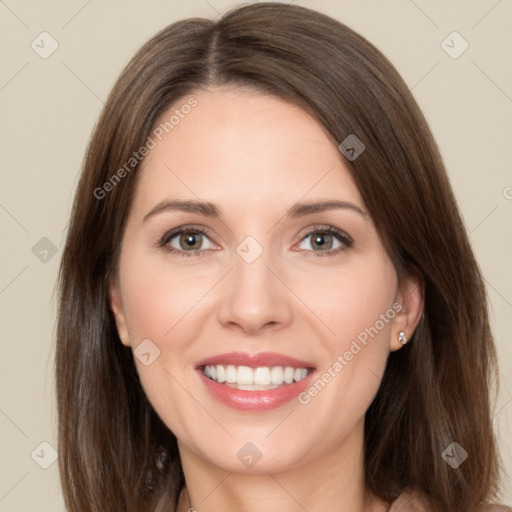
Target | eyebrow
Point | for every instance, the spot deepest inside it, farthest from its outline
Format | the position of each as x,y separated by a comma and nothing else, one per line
211,210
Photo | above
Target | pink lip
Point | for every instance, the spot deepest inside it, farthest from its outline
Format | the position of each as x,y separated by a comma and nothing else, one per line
255,401
254,360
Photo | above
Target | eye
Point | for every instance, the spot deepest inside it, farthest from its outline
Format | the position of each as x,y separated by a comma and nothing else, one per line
328,240
187,241
196,241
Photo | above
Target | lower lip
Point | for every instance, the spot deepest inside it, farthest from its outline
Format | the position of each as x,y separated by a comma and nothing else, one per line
257,401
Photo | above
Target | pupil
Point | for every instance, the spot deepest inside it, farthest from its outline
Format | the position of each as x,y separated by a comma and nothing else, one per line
321,241
191,240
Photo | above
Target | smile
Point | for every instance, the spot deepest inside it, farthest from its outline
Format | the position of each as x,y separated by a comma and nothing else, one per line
254,382
260,378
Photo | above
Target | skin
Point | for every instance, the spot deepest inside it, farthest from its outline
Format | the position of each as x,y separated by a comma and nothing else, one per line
255,156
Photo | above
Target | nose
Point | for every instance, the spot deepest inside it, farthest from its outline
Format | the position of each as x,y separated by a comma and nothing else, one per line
254,299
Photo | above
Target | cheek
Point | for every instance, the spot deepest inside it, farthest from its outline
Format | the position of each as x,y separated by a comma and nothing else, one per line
162,302
355,306
158,303
158,296
350,299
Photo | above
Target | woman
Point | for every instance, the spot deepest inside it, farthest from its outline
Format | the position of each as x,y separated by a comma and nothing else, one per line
268,299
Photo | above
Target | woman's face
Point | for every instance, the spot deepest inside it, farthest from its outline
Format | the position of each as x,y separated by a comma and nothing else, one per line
248,249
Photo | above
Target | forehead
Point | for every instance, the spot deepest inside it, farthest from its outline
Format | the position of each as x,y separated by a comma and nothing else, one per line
237,143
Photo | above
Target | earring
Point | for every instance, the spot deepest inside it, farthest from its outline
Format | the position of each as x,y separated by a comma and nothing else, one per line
401,338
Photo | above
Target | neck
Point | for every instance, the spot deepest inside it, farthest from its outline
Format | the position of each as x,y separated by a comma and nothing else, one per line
334,481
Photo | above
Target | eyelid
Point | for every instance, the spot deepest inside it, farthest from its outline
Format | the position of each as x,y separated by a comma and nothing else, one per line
326,228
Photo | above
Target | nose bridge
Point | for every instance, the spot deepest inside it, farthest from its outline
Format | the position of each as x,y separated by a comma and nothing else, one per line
254,297
251,270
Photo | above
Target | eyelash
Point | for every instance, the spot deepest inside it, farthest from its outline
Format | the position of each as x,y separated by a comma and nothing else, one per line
342,237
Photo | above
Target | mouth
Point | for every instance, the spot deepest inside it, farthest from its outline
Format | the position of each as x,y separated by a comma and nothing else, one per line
260,378
254,382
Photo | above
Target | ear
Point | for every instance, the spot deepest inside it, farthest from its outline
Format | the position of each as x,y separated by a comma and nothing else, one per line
116,305
410,302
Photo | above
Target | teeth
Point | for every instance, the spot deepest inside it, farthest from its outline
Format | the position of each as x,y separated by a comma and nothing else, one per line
230,374
221,373
262,376
244,377
253,387
277,375
299,374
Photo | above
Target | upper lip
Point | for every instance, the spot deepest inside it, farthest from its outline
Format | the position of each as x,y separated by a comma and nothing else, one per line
254,360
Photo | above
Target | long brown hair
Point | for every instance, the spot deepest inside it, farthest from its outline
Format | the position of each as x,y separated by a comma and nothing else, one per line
114,451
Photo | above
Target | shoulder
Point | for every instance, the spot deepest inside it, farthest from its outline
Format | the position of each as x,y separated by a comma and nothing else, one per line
412,501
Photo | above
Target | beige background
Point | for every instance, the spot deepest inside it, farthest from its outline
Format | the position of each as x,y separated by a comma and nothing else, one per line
49,107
